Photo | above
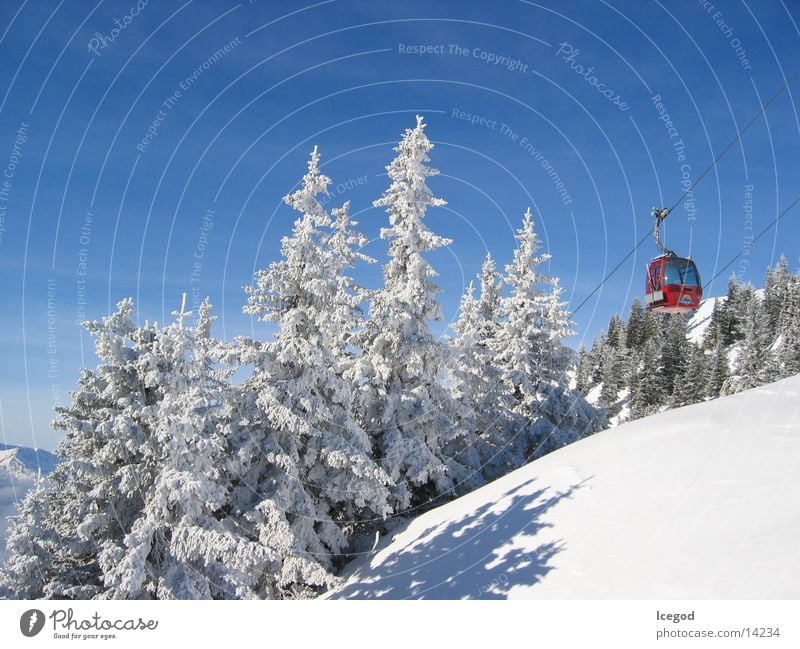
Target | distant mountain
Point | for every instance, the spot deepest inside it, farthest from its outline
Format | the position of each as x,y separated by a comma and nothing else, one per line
22,459
20,467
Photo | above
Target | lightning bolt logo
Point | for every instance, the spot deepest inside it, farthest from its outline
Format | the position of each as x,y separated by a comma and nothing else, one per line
31,622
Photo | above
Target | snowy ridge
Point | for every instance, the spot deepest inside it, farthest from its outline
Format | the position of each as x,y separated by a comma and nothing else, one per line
697,502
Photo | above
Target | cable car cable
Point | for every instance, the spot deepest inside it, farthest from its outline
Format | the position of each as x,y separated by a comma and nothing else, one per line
736,139
756,238
614,270
763,110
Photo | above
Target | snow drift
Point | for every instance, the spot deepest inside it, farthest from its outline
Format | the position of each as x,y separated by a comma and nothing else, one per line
696,502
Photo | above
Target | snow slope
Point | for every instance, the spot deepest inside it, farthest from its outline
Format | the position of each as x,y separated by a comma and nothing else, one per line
19,468
699,502
701,319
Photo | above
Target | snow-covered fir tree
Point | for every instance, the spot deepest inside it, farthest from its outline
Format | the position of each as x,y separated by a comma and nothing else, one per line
183,543
653,327
109,459
596,358
614,363
403,402
776,293
648,392
476,381
788,343
754,364
319,481
691,386
675,353
635,332
33,544
726,321
145,503
532,358
718,373
344,246
583,371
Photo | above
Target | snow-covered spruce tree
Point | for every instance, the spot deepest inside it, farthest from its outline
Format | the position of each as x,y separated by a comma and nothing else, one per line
713,334
468,386
109,459
754,364
614,363
654,328
648,391
615,335
32,545
402,401
317,481
635,329
690,387
718,369
184,543
727,316
346,316
532,358
476,382
776,292
790,310
746,297
674,352
140,506
596,358
788,346
583,372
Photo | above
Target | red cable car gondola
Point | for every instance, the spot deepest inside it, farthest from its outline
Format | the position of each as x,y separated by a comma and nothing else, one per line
673,283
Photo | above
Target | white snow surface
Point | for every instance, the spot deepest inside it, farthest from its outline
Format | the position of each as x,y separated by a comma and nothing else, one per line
698,502
19,467
701,319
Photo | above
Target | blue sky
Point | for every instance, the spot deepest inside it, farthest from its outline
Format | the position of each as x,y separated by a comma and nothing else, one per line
136,152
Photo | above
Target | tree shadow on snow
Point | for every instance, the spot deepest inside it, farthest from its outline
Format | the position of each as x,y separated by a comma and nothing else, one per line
482,555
